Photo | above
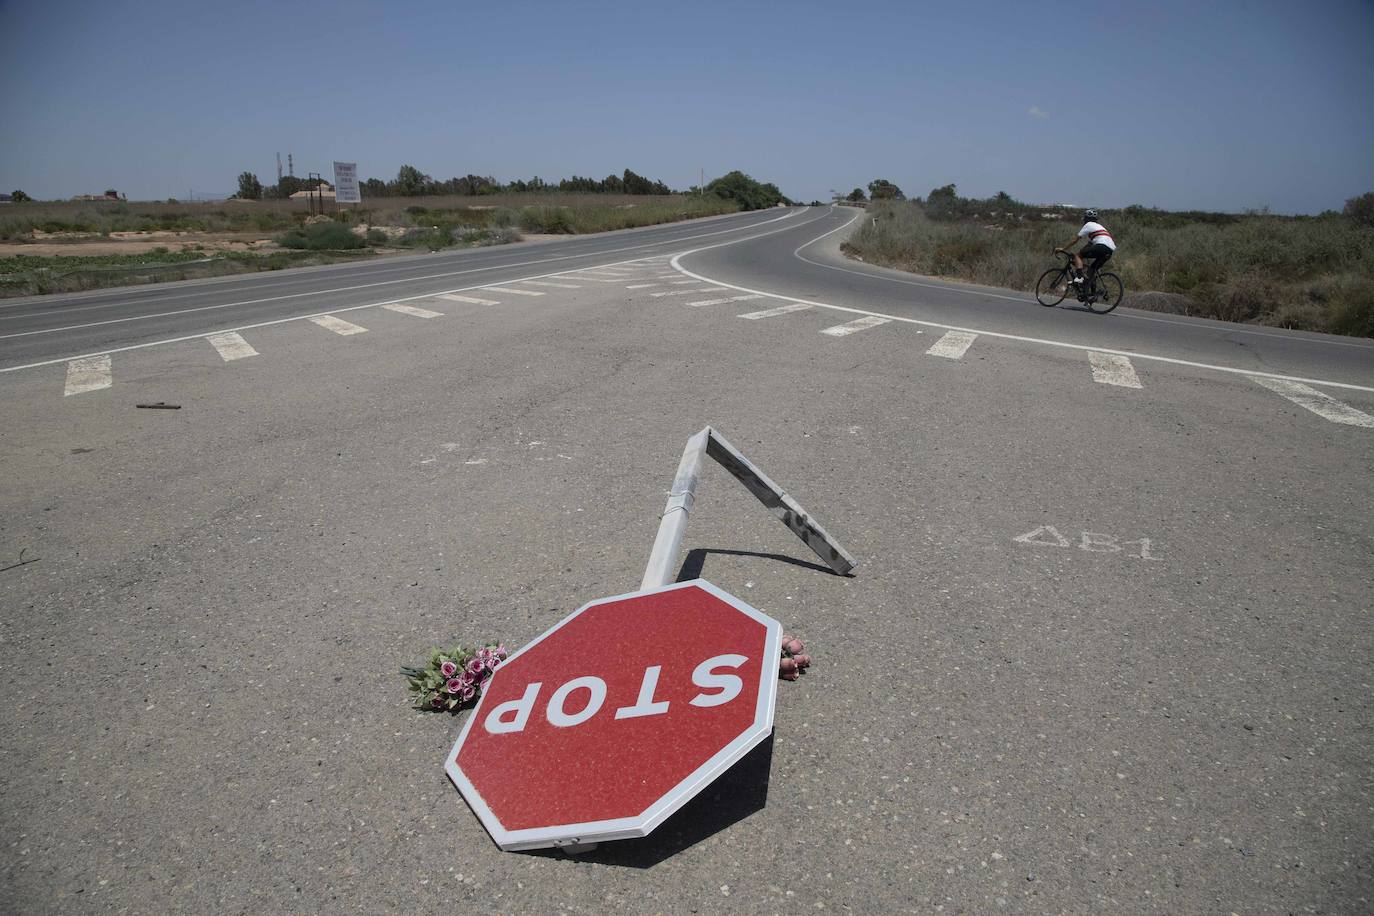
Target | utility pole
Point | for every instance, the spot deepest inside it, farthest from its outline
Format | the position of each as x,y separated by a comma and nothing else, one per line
290,166
278,168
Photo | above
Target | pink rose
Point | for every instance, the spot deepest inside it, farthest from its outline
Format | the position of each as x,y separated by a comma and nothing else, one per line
454,685
475,667
789,675
803,661
448,669
468,693
500,651
793,646
787,666
437,701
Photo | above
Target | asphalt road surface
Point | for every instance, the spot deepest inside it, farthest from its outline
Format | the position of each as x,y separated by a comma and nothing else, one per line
1107,649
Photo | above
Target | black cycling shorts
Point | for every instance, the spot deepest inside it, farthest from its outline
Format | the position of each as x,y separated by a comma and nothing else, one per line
1098,253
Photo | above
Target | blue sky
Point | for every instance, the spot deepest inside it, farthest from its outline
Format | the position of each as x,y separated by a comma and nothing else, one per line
1224,105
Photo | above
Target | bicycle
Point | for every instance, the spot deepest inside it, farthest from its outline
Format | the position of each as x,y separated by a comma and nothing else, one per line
1054,285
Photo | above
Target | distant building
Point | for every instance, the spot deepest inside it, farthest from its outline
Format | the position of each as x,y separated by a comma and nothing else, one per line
326,192
110,195
6,199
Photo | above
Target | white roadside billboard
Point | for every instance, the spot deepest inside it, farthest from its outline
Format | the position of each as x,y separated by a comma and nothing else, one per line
346,183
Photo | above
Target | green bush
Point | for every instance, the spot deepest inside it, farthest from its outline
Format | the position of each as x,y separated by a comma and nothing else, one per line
322,237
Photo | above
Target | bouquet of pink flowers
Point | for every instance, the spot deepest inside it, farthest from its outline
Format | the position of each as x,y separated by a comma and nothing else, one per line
454,679
794,659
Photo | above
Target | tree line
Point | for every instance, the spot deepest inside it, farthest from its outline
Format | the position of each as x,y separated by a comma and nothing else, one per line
411,182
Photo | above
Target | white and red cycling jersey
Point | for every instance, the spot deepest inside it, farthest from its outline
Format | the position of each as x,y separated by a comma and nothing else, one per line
1097,234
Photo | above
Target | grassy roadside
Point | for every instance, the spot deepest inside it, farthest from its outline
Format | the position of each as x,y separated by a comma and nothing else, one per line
419,224
1307,273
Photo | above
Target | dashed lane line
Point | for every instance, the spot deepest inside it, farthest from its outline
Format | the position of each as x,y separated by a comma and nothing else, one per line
412,310
513,291
721,301
953,345
353,308
231,346
855,326
89,374
780,310
470,300
338,325
1113,369
550,283
1321,404
367,286
1170,360
643,285
696,291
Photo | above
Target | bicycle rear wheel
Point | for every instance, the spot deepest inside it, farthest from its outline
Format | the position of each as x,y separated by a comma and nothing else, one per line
1108,294
1052,286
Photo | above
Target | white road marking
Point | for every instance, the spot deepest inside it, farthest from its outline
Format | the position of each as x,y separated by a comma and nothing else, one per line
232,346
510,289
681,282
412,310
1323,405
853,327
338,325
780,310
587,279
89,374
471,300
353,308
642,285
1170,360
719,301
1113,369
548,283
680,292
953,345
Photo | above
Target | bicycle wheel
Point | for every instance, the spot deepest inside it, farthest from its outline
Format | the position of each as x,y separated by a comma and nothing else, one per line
1108,294
1052,286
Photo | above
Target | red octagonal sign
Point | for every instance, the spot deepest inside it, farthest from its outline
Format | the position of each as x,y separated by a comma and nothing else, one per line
613,719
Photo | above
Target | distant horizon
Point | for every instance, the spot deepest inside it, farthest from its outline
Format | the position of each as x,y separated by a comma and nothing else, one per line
1224,107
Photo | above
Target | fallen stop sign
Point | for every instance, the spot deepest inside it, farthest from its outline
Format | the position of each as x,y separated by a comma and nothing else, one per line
616,717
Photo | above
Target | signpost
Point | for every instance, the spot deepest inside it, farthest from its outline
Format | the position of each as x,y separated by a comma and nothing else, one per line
346,183
612,720
615,718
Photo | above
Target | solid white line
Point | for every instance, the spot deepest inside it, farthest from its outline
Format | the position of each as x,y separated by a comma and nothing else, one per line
780,310
89,374
470,300
642,285
353,308
680,282
412,310
728,299
338,325
951,287
548,283
1113,369
853,327
1323,405
343,289
1250,373
232,346
516,292
953,345
586,279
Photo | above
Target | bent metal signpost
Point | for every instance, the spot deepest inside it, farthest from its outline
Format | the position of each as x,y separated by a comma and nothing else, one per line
617,716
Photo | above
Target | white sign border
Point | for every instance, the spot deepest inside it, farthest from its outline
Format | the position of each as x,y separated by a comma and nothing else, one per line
642,824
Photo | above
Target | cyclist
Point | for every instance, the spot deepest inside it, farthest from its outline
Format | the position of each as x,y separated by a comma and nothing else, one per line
1100,248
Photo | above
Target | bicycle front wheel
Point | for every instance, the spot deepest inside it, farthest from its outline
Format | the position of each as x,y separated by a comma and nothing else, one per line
1052,286
1109,292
